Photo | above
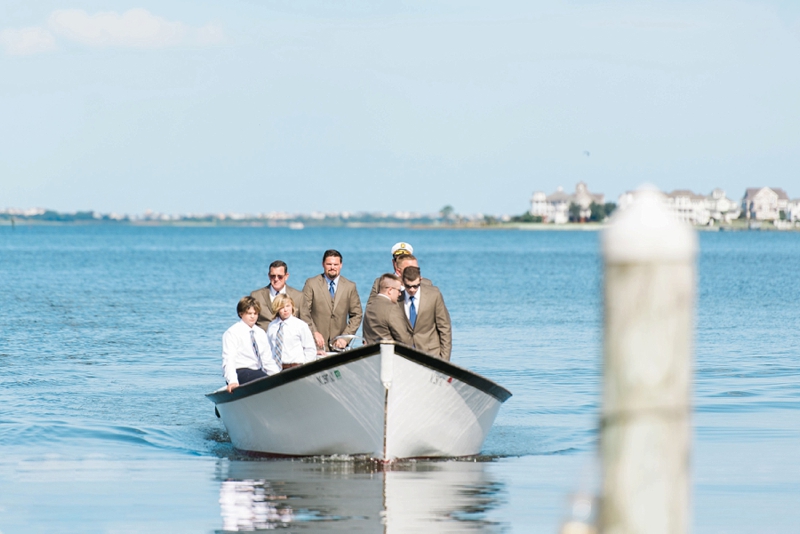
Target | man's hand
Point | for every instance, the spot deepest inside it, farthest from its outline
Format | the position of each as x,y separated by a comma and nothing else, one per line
232,386
319,340
340,343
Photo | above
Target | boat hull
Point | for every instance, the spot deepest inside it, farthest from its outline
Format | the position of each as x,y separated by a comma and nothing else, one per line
383,401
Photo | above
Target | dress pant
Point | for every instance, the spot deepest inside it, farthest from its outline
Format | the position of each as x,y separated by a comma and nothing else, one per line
246,375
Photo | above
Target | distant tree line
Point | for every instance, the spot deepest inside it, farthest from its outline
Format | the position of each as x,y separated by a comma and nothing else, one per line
50,215
527,218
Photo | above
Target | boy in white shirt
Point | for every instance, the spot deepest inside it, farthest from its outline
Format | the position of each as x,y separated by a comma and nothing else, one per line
290,338
245,349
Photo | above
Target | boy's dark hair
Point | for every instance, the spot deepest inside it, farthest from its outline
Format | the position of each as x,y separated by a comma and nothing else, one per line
246,303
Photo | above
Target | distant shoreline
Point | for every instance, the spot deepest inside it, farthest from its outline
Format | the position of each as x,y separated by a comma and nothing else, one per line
529,227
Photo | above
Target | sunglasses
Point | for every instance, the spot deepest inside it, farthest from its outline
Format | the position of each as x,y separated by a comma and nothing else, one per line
412,286
277,276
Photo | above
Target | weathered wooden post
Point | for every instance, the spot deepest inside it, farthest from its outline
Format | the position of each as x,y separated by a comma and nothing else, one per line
649,322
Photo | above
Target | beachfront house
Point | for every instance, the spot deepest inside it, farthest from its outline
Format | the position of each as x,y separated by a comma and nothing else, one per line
793,210
691,207
765,203
688,206
555,208
722,208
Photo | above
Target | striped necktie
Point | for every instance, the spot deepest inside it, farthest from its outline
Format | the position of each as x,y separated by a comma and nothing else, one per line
333,290
412,313
255,349
279,345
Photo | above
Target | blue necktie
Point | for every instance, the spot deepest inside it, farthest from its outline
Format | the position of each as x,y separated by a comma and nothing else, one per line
333,291
412,313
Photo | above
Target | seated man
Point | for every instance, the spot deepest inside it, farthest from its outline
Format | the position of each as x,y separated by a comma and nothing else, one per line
245,349
290,338
383,318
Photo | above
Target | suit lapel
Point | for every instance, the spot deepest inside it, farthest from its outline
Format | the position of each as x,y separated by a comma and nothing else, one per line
422,309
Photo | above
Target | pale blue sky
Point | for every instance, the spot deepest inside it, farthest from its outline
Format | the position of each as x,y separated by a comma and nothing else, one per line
257,106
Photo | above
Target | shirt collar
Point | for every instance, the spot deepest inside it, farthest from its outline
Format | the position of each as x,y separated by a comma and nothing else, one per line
274,293
416,296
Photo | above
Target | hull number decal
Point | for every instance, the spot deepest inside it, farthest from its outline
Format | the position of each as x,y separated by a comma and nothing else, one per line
329,376
438,379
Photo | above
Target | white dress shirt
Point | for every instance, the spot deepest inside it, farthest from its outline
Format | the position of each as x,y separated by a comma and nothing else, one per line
298,343
238,353
407,303
273,293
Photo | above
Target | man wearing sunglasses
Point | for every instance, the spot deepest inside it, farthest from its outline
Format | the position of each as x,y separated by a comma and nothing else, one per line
278,276
426,315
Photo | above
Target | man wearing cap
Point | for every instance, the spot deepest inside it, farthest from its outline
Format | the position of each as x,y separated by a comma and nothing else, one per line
426,315
383,318
331,306
278,276
402,257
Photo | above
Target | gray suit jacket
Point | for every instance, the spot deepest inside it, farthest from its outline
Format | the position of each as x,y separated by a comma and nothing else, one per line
267,315
431,333
331,317
383,319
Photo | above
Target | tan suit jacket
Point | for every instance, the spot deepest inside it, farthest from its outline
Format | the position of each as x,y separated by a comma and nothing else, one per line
267,315
432,332
375,290
331,317
383,319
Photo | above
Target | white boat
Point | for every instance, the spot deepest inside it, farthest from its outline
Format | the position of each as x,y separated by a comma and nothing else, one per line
385,401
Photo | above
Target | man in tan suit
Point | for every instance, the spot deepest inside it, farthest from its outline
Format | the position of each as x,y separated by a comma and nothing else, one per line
278,276
402,257
331,306
383,318
426,315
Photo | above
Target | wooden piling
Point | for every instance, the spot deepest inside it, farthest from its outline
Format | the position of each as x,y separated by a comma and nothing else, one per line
649,322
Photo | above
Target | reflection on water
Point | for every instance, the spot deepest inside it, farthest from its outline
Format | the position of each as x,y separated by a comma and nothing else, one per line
346,495
251,505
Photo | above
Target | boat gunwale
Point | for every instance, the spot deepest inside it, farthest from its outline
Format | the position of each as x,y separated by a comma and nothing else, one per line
337,360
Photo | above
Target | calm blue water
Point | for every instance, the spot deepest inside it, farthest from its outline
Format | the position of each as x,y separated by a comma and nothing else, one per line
109,337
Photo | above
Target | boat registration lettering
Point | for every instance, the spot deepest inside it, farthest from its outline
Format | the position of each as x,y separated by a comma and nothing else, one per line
438,379
329,376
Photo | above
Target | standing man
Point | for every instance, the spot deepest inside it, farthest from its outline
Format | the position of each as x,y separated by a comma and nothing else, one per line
426,315
383,318
331,306
278,276
402,257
